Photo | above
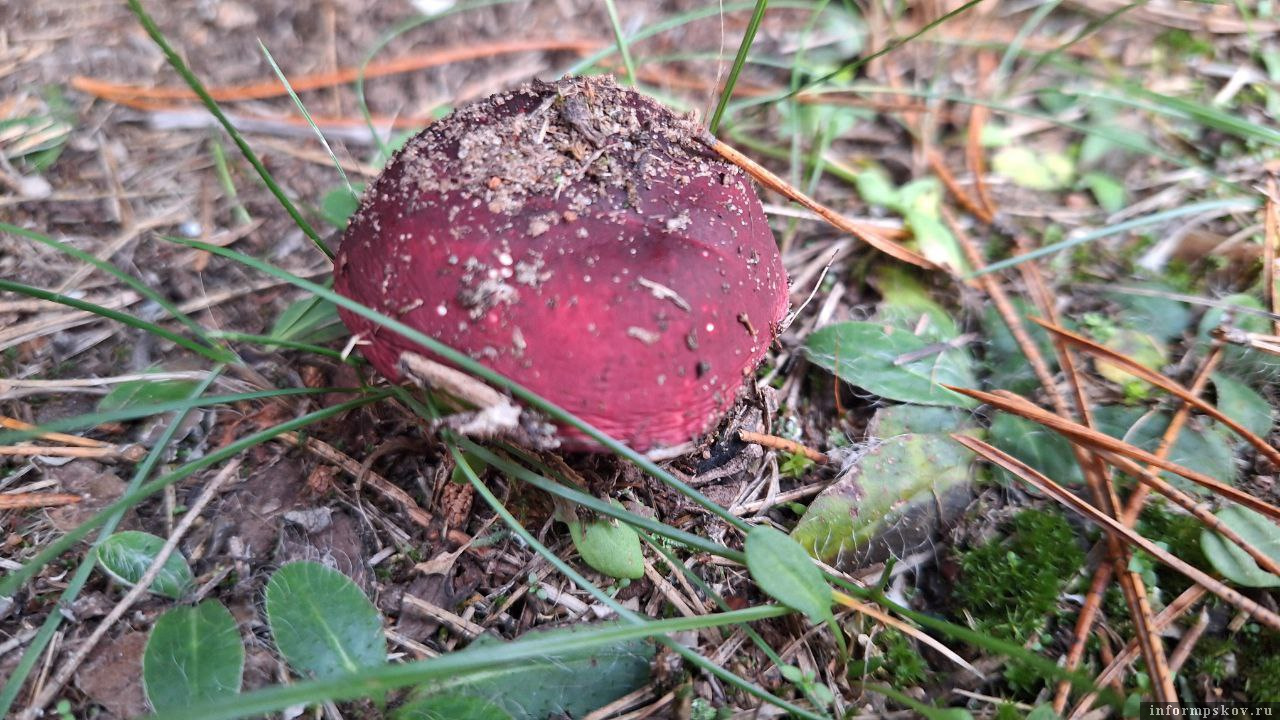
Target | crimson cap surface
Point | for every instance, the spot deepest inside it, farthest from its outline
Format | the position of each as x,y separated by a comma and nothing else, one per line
574,237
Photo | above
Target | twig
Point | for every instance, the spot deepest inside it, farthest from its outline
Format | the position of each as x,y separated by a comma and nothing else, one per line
776,443
17,501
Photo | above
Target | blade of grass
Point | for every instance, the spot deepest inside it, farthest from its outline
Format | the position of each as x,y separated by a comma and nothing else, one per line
620,38
214,354
600,596
748,38
1231,204
456,665
303,109
223,169
196,86
142,288
90,420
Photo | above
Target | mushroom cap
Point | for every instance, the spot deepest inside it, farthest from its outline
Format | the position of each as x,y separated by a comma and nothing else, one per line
575,237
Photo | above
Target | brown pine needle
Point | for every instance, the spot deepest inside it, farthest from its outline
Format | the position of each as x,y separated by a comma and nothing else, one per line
866,233
1162,382
1133,506
122,92
1094,439
1115,667
18,501
776,443
1066,497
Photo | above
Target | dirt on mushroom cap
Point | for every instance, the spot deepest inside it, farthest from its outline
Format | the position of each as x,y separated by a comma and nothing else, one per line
576,237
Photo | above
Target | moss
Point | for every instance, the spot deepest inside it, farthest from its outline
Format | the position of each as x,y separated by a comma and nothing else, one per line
1011,584
1259,657
902,661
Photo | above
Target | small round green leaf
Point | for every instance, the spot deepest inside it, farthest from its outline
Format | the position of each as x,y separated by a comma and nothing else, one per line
1233,562
125,556
782,568
194,655
609,546
321,621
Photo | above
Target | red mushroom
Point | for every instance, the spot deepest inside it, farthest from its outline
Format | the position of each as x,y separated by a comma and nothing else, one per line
576,237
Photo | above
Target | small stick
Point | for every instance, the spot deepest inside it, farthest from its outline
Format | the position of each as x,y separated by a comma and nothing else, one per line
37,500
132,453
15,424
776,443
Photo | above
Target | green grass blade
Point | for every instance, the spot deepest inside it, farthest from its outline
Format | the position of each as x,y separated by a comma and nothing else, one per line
633,618
545,484
748,39
142,288
399,29
456,665
621,38
90,420
198,88
216,355
1243,203
223,169
10,583
284,80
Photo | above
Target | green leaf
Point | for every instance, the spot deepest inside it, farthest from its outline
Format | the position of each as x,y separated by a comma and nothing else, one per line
905,299
892,363
314,320
1037,446
1161,317
126,556
566,684
784,571
1204,446
451,706
194,655
889,504
1232,561
137,393
609,546
338,205
321,621
1244,405
1107,191
896,420
1035,171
